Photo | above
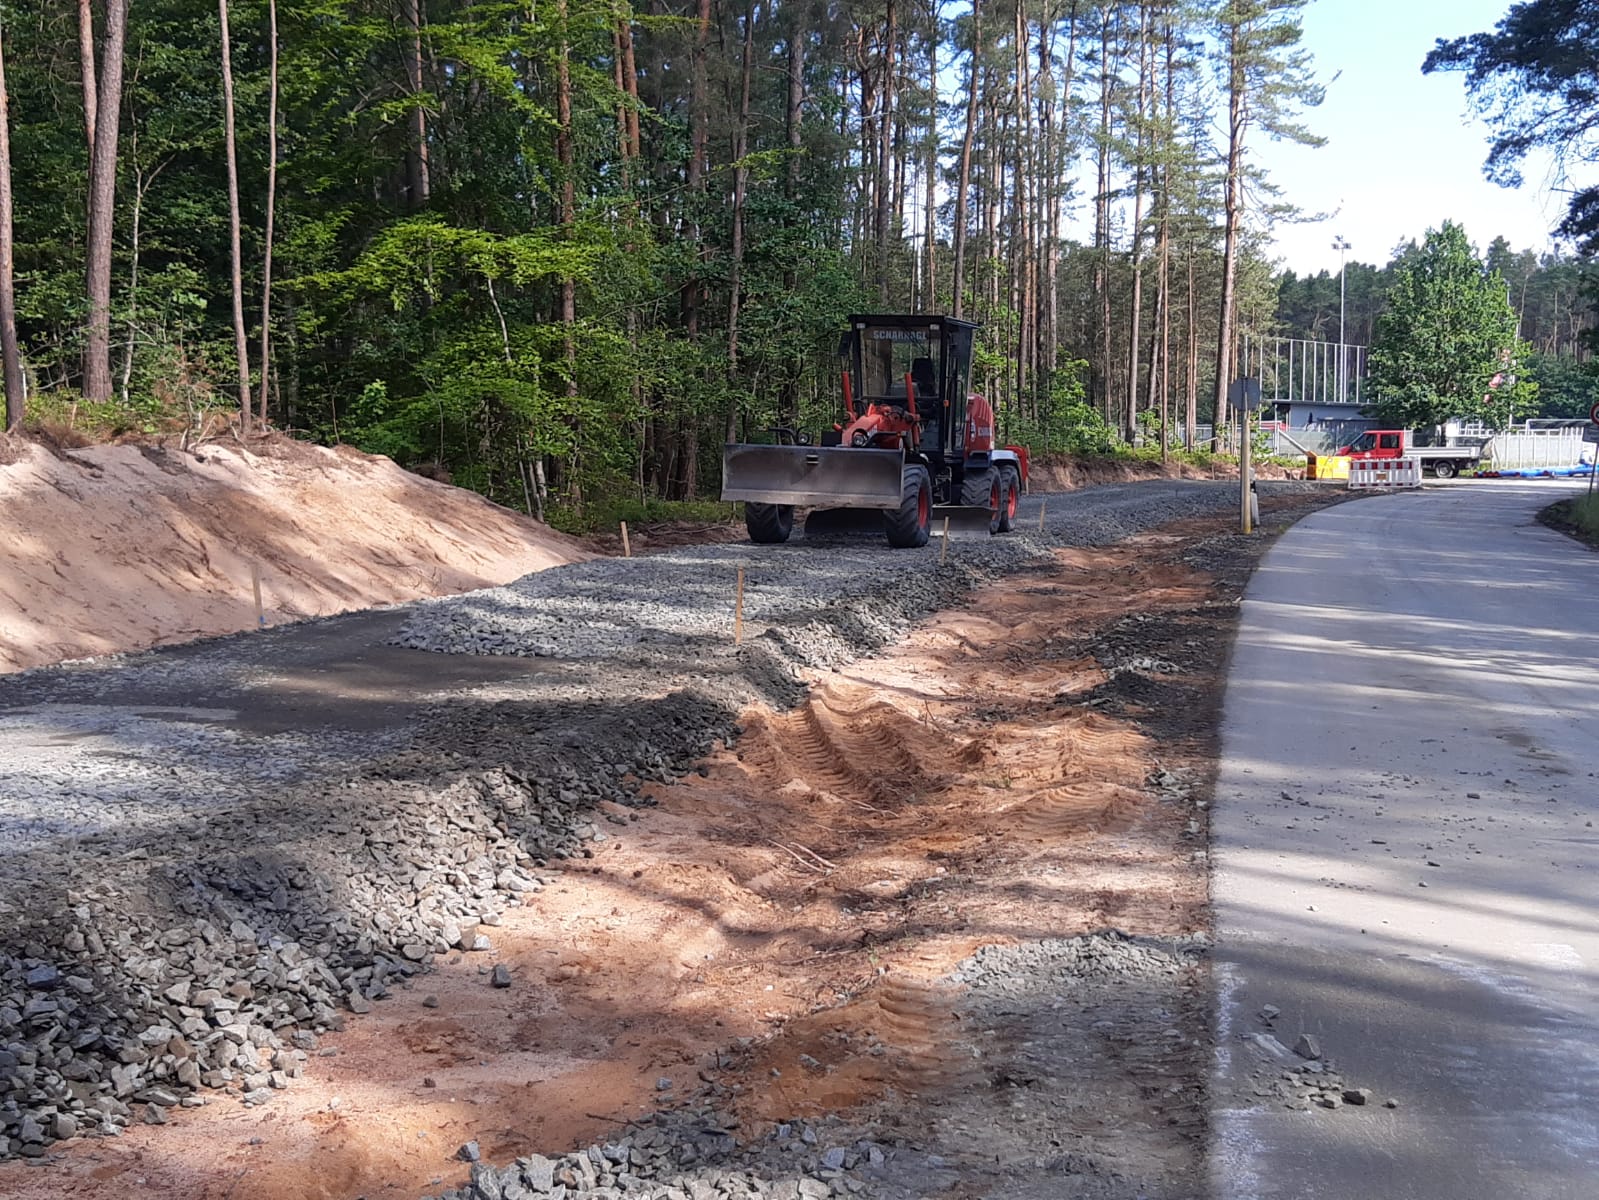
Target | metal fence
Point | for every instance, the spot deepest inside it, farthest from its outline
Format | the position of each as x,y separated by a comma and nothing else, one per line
1521,449
1323,437
1302,371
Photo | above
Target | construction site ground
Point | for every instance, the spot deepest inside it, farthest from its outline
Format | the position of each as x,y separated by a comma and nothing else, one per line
793,929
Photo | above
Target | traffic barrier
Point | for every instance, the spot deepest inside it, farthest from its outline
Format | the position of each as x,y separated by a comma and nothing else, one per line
1371,473
1328,466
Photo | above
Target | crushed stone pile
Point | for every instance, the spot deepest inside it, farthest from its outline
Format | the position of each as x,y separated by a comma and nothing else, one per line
692,1155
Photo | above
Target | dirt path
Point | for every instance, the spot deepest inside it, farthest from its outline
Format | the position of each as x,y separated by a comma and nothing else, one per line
788,932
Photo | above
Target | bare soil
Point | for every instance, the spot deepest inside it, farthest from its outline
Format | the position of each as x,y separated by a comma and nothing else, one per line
781,930
122,547
1067,472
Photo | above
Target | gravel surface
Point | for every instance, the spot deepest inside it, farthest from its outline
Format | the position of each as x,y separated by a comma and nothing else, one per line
193,887
852,587
695,1154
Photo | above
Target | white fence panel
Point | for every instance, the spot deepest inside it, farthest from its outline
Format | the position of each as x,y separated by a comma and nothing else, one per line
1526,449
1366,474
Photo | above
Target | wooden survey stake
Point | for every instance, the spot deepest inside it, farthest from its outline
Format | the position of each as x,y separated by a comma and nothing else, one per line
255,586
738,610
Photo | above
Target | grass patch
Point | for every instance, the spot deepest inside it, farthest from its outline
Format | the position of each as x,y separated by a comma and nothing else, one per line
1578,517
605,515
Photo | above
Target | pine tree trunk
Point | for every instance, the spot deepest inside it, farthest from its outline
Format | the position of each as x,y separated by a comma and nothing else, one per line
86,67
930,271
618,79
240,347
958,302
1021,230
1163,293
1136,308
271,206
1107,71
1191,398
420,183
740,187
885,153
634,146
793,120
1234,212
141,188
564,157
699,140
102,206
10,352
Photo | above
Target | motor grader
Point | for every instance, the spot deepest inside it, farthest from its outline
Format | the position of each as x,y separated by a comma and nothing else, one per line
916,444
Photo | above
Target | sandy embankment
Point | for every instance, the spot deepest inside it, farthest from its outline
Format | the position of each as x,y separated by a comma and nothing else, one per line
112,548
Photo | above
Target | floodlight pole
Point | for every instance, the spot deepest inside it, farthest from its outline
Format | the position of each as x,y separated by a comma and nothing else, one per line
1341,244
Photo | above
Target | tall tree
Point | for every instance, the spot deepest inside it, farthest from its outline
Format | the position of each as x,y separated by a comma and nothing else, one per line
10,355
102,204
963,188
91,107
1536,81
420,177
1269,80
271,205
740,191
241,347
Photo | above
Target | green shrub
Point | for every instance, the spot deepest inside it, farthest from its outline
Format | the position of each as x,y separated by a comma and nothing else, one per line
607,514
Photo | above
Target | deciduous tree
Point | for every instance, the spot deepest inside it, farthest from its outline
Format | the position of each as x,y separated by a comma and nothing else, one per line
1446,345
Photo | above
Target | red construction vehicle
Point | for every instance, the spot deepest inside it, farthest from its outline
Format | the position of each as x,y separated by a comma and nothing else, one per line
917,445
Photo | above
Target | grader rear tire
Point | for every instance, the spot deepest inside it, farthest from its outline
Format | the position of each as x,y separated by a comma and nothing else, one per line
1011,486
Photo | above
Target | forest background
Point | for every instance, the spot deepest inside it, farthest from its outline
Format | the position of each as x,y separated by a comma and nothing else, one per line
559,250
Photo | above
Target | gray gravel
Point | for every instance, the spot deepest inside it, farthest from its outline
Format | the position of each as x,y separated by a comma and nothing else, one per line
696,1154
685,598
193,887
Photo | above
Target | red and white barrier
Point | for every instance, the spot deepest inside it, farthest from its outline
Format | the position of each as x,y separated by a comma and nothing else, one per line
1366,474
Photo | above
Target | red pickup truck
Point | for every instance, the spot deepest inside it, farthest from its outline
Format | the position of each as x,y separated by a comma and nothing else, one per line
1446,461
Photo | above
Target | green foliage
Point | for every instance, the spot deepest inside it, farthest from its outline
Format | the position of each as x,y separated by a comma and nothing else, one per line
606,516
1566,388
1446,346
1533,79
1067,424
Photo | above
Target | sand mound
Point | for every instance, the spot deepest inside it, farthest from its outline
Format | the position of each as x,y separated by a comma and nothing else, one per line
123,547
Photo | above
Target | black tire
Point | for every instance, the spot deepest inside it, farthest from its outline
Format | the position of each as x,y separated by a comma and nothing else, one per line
1445,469
907,525
983,489
1011,488
768,523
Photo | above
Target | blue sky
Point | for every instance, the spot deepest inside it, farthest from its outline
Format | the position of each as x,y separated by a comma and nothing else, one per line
1404,153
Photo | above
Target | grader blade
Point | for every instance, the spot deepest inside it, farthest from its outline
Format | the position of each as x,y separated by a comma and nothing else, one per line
813,475
965,520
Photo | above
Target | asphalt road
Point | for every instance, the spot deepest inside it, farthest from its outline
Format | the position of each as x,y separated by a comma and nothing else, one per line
1406,858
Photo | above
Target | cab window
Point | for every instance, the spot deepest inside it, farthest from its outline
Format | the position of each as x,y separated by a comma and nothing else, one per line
1388,441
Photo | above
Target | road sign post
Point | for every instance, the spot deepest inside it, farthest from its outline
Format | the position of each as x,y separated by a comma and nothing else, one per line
1244,394
1591,434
